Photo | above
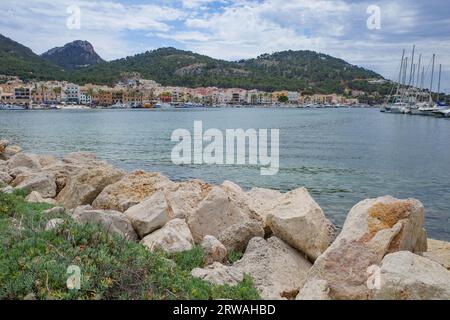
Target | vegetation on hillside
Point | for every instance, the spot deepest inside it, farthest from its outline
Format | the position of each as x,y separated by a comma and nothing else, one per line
18,60
305,71
34,262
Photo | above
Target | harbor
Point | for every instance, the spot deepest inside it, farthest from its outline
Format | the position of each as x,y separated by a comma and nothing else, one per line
412,96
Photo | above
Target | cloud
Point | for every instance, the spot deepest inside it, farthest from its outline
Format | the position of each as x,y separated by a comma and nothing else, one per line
41,24
239,29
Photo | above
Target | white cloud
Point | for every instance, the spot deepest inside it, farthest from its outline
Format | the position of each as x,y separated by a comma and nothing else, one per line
238,29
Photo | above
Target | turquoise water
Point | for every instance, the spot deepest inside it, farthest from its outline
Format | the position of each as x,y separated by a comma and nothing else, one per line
341,155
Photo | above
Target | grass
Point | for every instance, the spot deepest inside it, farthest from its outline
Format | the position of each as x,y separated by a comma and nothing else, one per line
234,256
34,261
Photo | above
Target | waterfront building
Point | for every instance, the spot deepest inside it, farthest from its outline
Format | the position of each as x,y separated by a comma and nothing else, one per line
22,95
72,93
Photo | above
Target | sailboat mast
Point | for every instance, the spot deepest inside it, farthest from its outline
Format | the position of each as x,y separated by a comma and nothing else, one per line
439,83
412,65
422,81
418,70
404,70
401,71
432,76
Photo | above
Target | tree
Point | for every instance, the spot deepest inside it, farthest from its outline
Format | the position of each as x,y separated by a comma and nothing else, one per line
283,99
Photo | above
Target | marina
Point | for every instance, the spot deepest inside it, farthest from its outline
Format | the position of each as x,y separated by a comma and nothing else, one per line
411,96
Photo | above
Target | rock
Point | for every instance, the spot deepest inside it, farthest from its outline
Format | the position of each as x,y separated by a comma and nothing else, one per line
62,172
46,160
315,289
439,251
36,197
112,221
54,211
53,224
9,152
3,166
3,144
373,228
7,190
132,189
215,214
236,237
149,215
298,220
184,197
175,236
30,296
21,173
39,182
82,157
5,178
27,160
407,276
240,199
214,250
219,274
85,186
262,201
277,270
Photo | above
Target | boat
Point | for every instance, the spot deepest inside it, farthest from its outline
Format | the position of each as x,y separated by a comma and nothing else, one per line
11,107
442,113
189,105
164,106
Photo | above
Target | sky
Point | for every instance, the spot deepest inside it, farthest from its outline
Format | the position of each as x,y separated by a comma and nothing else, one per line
369,33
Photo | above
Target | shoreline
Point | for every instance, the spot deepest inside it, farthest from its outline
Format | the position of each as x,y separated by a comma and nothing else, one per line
224,219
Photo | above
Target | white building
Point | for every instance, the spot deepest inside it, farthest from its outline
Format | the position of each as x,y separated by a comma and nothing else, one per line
72,93
85,98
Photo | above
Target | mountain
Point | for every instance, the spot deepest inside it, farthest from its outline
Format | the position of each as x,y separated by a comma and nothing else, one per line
305,71
291,70
18,60
76,54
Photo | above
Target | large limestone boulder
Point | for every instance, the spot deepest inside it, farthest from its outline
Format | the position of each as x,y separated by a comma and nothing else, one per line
407,276
298,220
3,166
5,178
85,186
27,160
439,251
184,197
314,289
277,269
46,160
39,182
240,199
214,250
9,151
373,228
175,236
132,189
262,201
217,213
237,236
36,197
113,221
219,274
83,158
150,214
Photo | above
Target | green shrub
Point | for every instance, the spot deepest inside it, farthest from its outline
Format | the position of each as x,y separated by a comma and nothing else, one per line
234,256
35,261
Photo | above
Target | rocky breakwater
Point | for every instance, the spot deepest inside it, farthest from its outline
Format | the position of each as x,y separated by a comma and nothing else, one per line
284,241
